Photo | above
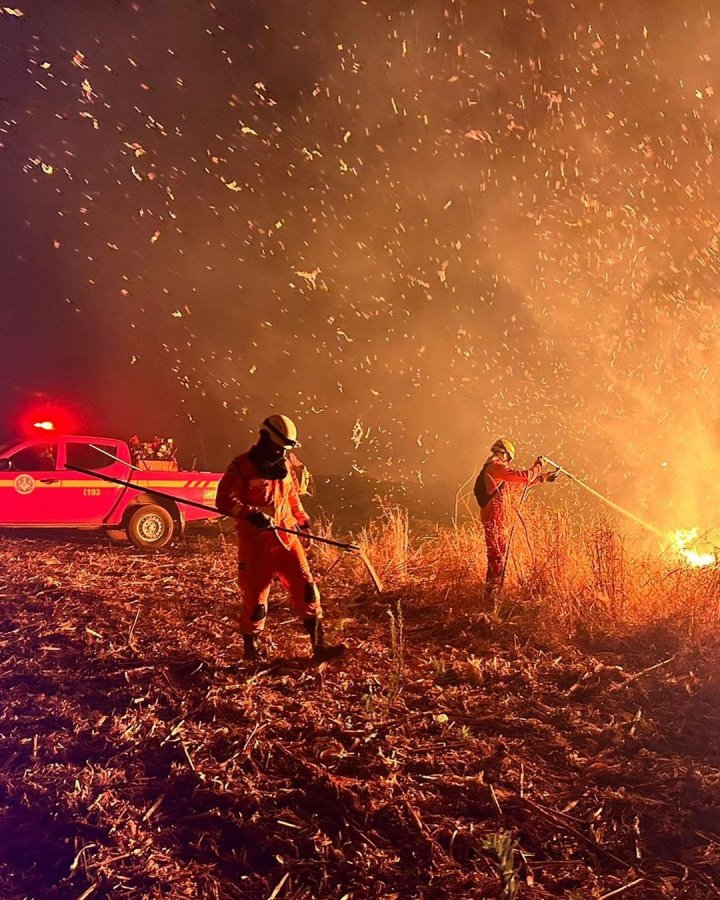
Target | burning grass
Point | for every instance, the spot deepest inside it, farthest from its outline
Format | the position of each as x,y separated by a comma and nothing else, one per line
564,744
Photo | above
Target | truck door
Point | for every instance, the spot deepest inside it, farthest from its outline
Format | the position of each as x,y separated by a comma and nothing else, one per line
30,485
90,500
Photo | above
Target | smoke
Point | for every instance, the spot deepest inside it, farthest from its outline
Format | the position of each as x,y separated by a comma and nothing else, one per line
412,227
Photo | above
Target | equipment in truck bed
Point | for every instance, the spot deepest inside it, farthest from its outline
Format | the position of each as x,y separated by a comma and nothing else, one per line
157,455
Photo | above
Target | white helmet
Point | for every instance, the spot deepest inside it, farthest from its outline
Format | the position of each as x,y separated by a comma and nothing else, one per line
282,430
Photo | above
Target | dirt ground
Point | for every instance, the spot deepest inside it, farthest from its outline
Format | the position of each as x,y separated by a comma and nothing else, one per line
447,756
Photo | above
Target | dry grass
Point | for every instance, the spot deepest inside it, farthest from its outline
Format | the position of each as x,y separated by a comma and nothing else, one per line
563,581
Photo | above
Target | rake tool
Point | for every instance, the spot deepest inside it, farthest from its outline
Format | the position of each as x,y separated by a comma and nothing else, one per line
341,545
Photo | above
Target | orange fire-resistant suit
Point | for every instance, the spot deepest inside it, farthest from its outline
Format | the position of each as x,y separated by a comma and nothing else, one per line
490,492
262,552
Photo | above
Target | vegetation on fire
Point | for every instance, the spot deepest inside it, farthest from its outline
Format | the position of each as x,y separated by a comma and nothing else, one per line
564,743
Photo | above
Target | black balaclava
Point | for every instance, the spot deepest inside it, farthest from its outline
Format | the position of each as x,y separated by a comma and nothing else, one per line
269,458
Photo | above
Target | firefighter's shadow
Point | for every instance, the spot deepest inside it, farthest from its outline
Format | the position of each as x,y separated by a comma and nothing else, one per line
38,844
272,666
223,828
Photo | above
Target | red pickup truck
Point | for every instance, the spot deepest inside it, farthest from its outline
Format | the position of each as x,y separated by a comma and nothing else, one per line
38,491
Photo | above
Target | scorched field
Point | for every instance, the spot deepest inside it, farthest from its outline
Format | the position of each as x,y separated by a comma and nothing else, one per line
562,744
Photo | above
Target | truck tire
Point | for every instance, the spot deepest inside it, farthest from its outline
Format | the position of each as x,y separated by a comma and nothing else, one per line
150,527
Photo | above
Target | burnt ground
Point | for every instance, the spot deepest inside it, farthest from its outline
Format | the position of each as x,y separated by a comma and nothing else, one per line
448,756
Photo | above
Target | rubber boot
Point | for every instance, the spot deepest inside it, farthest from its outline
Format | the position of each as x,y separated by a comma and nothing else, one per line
321,652
250,651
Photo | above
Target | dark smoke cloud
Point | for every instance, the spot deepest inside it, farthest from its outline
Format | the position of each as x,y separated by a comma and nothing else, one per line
411,226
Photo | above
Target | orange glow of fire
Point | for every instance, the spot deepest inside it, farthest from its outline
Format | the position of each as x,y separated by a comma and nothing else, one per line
45,426
684,543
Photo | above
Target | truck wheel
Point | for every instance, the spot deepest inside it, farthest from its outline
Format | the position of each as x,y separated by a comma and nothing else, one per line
150,527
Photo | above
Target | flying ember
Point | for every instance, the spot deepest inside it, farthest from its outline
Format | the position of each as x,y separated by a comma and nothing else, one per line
351,256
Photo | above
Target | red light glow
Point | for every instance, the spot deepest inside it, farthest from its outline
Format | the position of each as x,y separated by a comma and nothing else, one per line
46,417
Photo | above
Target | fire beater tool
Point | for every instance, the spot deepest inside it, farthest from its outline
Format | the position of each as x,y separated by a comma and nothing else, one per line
347,547
116,458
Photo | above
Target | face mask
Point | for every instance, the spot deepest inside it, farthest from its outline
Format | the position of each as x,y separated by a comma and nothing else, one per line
274,469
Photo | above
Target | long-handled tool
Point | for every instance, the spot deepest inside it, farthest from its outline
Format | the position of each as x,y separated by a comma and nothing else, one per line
646,525
347,547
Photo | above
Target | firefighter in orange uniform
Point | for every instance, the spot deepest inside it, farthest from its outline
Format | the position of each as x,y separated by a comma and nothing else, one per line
489,491
260,490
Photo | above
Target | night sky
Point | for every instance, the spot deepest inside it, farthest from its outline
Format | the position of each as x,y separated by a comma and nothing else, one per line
410,226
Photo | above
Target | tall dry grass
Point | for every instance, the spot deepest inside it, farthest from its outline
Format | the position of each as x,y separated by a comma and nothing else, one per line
565,577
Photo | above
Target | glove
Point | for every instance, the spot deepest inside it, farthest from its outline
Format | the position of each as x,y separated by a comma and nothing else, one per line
540,461
304,528
551,476
259,519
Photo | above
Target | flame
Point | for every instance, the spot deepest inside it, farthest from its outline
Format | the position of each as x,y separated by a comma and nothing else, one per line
45,426
684,543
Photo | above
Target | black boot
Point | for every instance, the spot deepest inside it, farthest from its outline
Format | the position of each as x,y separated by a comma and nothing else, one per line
320,651
250,651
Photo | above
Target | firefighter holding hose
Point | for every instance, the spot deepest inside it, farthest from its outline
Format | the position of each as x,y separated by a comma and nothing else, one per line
260,490
490,493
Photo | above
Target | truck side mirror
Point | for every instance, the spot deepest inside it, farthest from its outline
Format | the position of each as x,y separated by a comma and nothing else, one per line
5,465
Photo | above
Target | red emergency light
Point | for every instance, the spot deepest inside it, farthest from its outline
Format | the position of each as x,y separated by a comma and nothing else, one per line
46,418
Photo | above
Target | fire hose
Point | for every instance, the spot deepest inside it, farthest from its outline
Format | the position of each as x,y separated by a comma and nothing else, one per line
547,461
346,547
510,539
646,525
